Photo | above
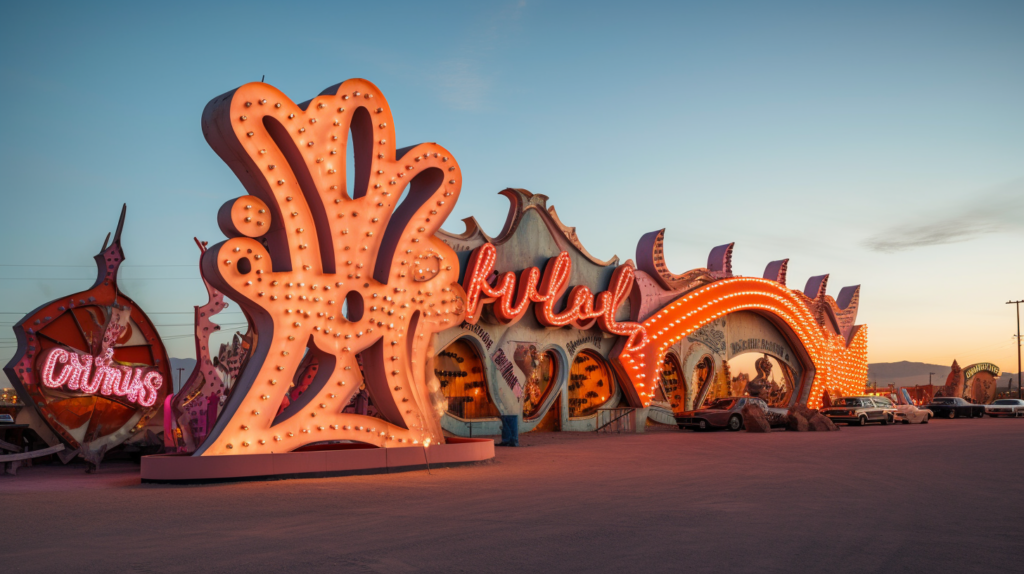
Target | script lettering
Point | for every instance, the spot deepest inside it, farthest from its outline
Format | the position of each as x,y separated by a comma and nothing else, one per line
511,297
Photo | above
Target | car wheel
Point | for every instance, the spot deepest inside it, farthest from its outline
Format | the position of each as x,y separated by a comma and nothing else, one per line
906,421
862,420
735,423
702,425
885,420
952,414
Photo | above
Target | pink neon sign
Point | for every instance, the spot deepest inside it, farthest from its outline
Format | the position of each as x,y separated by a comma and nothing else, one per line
139,385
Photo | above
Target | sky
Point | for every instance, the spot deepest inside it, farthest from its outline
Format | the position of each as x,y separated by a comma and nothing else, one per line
880,142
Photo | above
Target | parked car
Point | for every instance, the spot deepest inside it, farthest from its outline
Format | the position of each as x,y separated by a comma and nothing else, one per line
861,410
1005,408
725,413
907,414
955,407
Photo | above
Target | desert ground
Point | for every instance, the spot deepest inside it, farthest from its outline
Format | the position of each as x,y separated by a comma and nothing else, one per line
905,498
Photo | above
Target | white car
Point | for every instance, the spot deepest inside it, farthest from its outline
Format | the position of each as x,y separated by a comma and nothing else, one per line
1005,408
907,414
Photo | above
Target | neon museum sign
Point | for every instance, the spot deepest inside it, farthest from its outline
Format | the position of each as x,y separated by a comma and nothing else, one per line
582,309
139,385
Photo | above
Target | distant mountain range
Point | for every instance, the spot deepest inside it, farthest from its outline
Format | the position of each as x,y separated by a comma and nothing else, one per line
903,373
187,364
908,374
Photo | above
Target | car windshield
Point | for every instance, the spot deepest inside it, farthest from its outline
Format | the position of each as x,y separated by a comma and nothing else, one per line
1007,402
848,402
943,401
724,404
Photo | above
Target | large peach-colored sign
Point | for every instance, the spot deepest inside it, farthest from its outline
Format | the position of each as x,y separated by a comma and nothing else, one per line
329,268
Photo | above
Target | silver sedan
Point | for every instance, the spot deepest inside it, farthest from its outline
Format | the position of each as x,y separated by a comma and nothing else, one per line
1005,408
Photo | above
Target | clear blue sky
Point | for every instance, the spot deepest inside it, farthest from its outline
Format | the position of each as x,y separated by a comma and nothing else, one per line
882,142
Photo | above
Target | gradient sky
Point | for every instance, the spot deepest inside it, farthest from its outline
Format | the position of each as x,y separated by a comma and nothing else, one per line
881,142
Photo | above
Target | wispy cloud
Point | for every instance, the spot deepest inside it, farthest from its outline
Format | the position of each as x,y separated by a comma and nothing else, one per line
994,210
461,85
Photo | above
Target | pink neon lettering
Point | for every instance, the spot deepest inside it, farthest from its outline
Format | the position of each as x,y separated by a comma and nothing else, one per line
582,308
55,356
139,385
79,367
153,382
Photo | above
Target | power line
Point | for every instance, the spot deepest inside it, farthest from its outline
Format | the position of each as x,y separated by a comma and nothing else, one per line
155,324
189,313
224,326
148,313
91,279
94,266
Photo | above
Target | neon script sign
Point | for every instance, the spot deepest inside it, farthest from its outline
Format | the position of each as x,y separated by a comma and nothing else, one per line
139,385
582,310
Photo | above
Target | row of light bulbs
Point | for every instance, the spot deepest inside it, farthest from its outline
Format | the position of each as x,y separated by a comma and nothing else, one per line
839,367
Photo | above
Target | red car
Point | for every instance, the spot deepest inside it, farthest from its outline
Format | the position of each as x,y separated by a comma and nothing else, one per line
725,413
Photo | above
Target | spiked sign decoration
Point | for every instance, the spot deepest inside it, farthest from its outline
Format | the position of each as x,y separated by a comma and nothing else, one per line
331,271
196,405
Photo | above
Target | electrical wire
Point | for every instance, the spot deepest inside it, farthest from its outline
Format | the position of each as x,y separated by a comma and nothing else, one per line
90,279
92,266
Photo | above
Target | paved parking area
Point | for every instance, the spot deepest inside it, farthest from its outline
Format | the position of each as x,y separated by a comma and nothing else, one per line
903,498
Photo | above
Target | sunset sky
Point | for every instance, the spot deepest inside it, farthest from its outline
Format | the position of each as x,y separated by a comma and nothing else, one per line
881,142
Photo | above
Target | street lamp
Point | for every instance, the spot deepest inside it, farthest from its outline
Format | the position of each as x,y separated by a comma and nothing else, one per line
1017,303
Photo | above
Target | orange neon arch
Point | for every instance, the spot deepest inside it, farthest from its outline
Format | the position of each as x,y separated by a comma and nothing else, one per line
838,366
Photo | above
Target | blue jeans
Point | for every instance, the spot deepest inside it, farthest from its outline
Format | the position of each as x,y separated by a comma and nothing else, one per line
510,430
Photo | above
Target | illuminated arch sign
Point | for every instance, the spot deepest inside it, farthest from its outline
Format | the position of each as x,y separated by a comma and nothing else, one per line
819,329
838,365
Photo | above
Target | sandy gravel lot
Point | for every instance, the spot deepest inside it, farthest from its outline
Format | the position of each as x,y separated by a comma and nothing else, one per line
904,498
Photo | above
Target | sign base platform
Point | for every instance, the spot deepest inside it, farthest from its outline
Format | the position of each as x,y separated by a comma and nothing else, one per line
316,461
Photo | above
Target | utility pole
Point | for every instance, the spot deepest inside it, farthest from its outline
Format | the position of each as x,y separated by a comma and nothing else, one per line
180,369
930,378
1017,303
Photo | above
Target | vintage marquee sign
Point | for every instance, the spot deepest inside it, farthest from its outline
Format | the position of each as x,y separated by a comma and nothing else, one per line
582,310
63,368
975,369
